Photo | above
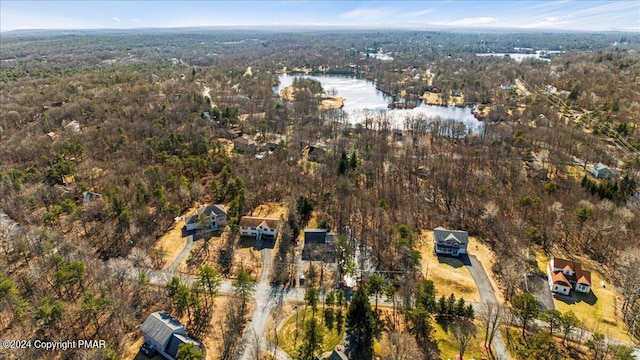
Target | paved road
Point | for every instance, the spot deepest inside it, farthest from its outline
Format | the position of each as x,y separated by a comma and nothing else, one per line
487,294
268,296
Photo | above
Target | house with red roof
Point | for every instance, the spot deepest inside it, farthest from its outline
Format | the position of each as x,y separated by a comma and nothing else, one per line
566,275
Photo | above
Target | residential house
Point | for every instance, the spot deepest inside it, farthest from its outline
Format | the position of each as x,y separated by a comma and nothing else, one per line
316,236
507,86
314,153
73,126
450,242
565,275
213,217
165,334
89,196
601,171
271,146
337,355
319,245
259,227
244,145
233,133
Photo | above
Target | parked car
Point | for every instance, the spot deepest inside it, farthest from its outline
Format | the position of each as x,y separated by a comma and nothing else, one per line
148,350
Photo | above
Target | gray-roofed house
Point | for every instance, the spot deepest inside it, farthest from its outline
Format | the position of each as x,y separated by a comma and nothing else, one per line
89,196
319,245
165,334
338,355
601,171
213,217
450,242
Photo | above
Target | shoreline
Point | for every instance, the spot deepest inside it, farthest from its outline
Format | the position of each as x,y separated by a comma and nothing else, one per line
326,102
330,103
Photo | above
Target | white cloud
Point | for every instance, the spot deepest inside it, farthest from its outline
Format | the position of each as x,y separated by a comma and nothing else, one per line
416,13
549,22
482,20
136,20
116,19
367,13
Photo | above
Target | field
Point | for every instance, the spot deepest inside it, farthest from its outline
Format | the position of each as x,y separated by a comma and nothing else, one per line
288,340
448,274
448,345
172,241
596,310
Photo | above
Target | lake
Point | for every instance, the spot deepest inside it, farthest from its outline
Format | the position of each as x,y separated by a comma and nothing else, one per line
363,100
538,55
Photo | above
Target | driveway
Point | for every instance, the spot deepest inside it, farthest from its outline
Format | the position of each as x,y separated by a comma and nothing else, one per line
539,287
186,250
486,294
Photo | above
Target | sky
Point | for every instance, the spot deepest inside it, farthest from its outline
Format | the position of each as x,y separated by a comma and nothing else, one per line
531,15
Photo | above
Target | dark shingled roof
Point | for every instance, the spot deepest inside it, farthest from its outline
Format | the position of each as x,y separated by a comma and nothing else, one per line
441,234
217,209
338,355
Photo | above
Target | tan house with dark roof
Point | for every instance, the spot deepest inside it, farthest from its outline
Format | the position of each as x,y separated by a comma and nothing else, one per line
244,145
565,275
259,227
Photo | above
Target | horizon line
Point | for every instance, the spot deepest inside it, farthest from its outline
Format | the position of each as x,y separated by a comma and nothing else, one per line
406,27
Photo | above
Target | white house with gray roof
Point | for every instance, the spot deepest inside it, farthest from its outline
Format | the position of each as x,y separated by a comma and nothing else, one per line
165,334
212,217
450,242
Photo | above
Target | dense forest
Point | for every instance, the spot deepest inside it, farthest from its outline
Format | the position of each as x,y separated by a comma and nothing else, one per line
143,119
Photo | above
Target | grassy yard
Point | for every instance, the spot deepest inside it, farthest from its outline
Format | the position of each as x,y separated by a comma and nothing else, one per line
448,345
448,274
576,172
287,334
172,241
596,310
571,351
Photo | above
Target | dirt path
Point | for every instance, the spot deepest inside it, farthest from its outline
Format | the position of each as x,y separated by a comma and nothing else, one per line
205,93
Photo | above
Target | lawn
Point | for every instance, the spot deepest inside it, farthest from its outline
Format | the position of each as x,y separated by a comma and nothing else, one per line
172,242
576,172
598,309
448,345
287,333
448,274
